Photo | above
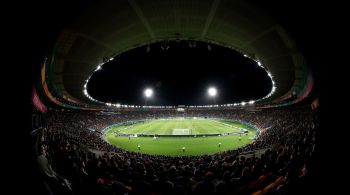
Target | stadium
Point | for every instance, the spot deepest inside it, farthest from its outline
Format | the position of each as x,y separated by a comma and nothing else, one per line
174,97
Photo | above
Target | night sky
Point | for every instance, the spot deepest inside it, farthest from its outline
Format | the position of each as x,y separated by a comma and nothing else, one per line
180,75
187,77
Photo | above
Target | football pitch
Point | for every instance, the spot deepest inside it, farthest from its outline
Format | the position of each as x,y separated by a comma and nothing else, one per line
180,137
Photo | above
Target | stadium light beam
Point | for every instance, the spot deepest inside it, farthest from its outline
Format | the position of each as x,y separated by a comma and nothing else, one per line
148,92
212,91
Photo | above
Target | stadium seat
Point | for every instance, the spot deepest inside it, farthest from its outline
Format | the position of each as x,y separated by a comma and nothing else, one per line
279,180
259,192
268,187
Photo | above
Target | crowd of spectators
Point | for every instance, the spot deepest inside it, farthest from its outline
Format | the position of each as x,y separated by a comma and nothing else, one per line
288,135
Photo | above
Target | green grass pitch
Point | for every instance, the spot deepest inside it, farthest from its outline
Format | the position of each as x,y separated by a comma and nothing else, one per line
173,146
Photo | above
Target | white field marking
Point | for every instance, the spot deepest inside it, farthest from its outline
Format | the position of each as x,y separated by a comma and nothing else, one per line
233,127
181,131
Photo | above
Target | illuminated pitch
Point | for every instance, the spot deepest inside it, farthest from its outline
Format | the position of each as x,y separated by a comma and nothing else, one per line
169,136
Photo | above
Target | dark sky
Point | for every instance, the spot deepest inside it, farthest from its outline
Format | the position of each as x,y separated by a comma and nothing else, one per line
42,22
180,75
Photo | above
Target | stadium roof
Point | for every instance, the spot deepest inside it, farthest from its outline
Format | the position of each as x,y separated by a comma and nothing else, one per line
109,28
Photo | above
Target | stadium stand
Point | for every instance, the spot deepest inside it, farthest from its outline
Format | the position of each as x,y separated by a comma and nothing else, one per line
76,160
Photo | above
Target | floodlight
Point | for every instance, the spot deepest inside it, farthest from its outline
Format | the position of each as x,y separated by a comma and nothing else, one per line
148,93
270,75
212,91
